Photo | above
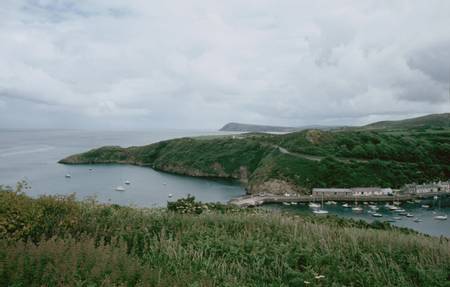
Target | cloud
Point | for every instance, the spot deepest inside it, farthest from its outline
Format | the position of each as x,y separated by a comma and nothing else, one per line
197,64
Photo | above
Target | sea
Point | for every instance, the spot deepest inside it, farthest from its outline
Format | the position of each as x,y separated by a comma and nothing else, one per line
32,156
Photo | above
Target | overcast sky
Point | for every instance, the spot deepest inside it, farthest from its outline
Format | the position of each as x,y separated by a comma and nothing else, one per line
199,64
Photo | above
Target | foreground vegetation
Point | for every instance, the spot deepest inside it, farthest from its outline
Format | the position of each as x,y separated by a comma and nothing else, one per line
314,158
57,241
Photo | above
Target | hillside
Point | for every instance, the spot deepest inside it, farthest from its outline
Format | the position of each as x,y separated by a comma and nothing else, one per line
57,241
428,121
294,162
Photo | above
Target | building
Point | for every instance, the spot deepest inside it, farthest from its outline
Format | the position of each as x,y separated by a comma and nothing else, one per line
332,192
370,191
441,186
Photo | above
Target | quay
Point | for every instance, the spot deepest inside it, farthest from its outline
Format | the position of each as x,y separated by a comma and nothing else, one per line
260,199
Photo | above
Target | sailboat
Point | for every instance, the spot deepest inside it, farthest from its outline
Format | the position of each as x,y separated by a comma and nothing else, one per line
440,217
356,208
320,210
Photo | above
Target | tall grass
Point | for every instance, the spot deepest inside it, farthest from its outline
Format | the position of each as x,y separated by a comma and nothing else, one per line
57,241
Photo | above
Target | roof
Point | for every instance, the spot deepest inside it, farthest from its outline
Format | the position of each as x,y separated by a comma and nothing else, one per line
331,190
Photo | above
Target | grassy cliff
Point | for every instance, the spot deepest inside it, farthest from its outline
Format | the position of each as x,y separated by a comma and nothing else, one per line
57,241
295,162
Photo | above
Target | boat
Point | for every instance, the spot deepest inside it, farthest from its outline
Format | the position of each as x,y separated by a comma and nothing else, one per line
417,220
314,205
330,202
357,208
409,215
377,215
68,176
425,206
120,188
320,211
374,207
417,201
286,203
170,195
127,182
393,208
293,203
397,203
435,197
346,205
440,217
402,213
399,210
397,218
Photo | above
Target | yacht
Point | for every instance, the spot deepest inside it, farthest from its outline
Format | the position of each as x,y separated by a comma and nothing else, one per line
440,217
314,205
377,215
127,182
346,205
373,207
357,208
425,206
170,195
120,188
286,203
409,215
417,220
320,211
68,176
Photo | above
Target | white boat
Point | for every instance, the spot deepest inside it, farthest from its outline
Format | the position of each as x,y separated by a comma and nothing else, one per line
397,218
377,215
399,210
170,195
293,203
357,208
425,206
417,220
314,205
68,176
417,201
286,203
409,215
127,182
120,188
435,197
346,205
440,217
393,208
397,203
331,202
320,211
374,207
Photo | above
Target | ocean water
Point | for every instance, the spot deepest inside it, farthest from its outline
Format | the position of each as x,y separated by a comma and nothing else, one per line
32,155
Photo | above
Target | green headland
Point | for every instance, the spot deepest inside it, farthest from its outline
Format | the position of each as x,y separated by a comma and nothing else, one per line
385,154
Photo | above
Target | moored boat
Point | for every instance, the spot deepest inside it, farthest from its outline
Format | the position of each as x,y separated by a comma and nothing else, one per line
377,215
120,188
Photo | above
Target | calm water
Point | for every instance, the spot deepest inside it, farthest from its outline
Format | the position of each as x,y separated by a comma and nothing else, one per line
428,225
33,155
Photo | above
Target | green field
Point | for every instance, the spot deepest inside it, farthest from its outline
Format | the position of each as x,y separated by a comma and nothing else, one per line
57,241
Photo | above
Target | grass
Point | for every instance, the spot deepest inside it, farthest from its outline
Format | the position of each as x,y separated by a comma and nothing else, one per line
57,241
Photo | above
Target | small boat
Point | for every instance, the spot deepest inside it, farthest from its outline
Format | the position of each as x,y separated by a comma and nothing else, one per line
370,212
417,201
440,217
392,207
402,213
417,220
357,208
399,210
374,207
90,169
409,215
120,188
170,195
397,218
320,211
435,197
286,203
397,203
68,176
293,203
425,206
314,205
346,205
127,182
331,202
377,215
365,203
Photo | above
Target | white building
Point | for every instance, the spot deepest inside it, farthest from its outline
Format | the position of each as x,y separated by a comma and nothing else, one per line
332,192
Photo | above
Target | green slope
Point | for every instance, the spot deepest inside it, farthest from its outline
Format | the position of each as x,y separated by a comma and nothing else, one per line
428,121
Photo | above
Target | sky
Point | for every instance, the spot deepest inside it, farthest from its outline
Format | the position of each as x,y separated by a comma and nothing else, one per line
110,64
